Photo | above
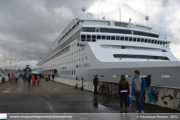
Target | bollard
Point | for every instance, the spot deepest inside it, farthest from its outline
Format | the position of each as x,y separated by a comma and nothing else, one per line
76,82
3,80
82,84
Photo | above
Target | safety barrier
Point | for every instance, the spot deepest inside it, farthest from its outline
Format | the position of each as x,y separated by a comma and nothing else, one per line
168,97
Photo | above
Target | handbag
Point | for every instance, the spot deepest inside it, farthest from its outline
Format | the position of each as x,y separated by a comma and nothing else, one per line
129,100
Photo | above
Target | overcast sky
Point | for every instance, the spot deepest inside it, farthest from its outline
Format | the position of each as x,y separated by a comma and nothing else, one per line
29,27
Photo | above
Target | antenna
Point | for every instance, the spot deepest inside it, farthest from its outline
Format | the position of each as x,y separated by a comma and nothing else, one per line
147,18
83,9
120,14
90,14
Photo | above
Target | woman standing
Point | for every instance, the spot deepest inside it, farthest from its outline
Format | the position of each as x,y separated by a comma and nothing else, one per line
123,91
12,77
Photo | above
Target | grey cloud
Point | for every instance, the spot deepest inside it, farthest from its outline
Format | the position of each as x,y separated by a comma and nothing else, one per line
31,26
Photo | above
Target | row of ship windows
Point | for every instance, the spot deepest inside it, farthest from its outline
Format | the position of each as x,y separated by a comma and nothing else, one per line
93,38
76,60
68,32
63,52
72,72
69,72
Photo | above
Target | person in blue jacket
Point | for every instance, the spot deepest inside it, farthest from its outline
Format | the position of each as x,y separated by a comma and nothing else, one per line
138,87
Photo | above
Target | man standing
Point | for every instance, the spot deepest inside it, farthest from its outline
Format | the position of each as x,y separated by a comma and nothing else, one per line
148,83
53,77
49,77
138,88
16,77
148,80
9,76
95,82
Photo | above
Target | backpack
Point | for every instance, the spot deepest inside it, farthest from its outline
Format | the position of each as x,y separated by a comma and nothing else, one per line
38,80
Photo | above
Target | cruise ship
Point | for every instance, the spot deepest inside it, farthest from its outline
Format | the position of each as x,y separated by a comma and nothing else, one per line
109,48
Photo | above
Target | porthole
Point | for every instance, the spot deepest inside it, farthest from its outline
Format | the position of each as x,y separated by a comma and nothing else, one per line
114,76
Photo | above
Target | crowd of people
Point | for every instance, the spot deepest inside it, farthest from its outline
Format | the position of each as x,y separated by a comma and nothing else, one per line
30,78
139,85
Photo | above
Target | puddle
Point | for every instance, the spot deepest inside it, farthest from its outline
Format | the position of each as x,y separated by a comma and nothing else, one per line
6,91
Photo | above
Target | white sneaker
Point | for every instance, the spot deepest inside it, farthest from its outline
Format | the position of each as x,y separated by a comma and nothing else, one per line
137,111
142,111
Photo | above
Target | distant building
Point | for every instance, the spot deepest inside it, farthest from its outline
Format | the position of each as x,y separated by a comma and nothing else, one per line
27,69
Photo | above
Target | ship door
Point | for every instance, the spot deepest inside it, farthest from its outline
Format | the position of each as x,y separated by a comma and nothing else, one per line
97,30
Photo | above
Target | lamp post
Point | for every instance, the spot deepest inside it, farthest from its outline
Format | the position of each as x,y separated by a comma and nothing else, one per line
15,68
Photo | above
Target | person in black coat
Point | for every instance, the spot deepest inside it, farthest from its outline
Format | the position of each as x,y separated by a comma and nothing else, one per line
49,77
95,83
9,76
52,77
148,83
148,80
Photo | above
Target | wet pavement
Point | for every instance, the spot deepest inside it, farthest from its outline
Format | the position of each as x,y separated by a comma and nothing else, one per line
53,97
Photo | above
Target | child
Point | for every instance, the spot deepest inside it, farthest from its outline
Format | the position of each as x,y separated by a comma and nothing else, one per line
38,80
33,81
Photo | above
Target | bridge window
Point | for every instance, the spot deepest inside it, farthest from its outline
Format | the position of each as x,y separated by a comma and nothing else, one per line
149,41
142,40
114,76
155,41
93,38
83,37
130,39
165,76
134,39
88,38
140,57
112,37
98,37
152,41
145,34
138,40
122,38
145,40
103,37
88,30
126,38
108,37
117,38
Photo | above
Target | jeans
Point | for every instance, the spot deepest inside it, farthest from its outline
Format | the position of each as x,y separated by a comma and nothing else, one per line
95,89
9,77
123,96
23,79
37,83
33,83
139,96
46,79
16,80
12,80
29,82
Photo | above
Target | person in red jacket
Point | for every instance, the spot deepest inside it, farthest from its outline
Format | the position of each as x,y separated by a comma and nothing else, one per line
46,78
33,81
12,77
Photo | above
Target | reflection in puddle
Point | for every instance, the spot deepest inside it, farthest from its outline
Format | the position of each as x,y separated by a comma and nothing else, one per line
6,91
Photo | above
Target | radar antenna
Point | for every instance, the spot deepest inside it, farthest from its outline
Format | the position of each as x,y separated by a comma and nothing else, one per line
147,18
83,9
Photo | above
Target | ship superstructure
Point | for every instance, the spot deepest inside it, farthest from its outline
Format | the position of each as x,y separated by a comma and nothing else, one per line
109,48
